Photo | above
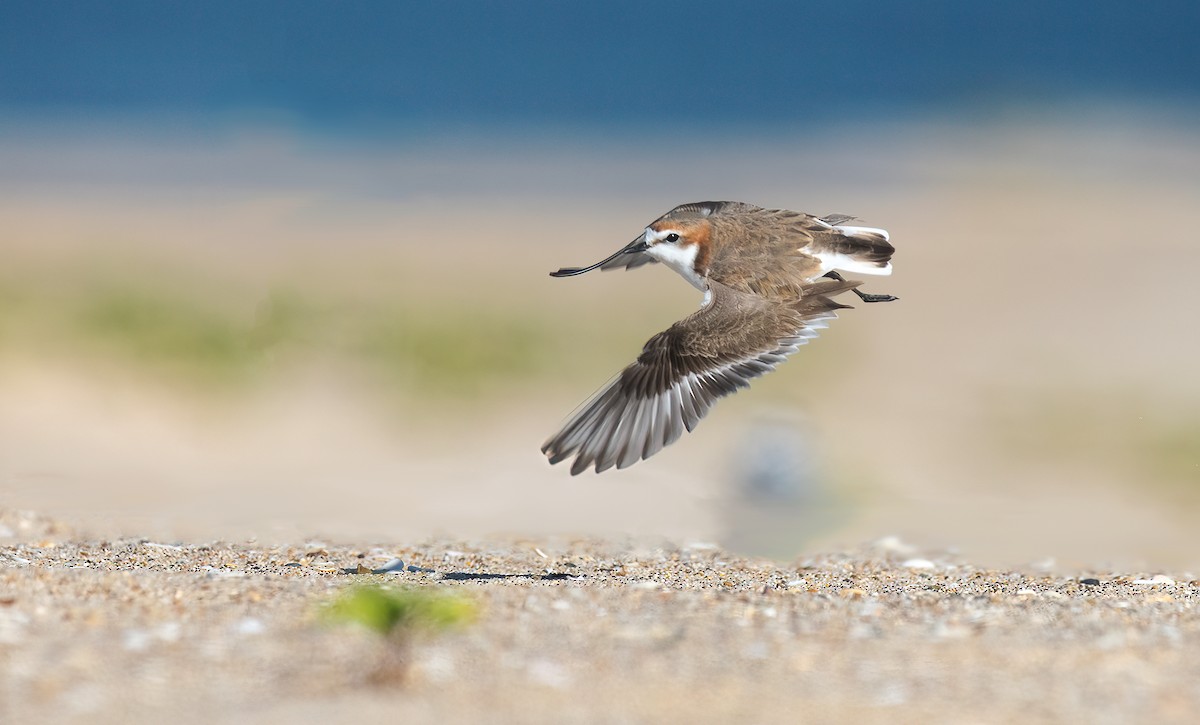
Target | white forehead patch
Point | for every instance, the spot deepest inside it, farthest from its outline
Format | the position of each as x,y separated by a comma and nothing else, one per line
653,236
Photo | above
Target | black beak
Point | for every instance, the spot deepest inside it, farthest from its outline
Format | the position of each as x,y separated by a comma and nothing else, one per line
637,245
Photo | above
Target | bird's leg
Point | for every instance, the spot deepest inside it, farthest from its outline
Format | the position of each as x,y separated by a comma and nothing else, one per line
862,295
867,297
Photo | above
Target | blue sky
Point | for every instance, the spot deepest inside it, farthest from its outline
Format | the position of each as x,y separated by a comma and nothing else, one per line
347,65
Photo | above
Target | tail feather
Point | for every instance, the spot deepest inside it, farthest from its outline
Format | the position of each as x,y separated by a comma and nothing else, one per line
865,250
865,233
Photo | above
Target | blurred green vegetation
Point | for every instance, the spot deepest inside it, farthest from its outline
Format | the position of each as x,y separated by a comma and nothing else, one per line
1149,442
456,351
398,615
399,612
210,333
183,335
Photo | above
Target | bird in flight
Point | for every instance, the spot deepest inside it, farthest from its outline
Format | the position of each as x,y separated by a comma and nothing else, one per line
768,276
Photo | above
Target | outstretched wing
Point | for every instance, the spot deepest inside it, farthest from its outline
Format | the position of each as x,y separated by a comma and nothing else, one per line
683,371
629,261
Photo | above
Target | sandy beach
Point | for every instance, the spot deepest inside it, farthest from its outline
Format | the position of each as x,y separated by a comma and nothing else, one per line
138,631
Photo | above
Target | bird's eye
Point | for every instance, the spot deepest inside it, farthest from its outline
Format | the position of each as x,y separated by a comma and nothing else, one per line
672,238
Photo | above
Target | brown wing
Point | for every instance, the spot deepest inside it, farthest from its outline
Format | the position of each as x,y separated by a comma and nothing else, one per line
683,371
765,251
774,252
629,261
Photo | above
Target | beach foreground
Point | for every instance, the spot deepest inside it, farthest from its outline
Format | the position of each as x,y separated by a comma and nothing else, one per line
580,631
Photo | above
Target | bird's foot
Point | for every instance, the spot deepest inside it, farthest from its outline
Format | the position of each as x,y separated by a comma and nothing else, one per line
865,297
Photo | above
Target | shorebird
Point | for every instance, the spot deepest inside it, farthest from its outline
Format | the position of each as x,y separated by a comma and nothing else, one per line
768,277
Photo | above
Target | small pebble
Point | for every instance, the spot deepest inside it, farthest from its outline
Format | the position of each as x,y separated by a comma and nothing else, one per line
1155,580
250,625
918,564
136,640
550,674
395,566
168,547
894,544
1091,582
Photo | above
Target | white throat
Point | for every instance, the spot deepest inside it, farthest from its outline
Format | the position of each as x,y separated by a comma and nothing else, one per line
679,257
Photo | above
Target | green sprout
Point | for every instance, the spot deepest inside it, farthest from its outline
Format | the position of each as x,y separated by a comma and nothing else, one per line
400,611
397,615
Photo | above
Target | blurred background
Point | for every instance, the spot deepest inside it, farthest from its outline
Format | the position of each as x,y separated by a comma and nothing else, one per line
279,269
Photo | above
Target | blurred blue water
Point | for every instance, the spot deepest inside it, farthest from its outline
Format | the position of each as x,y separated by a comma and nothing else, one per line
393,66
